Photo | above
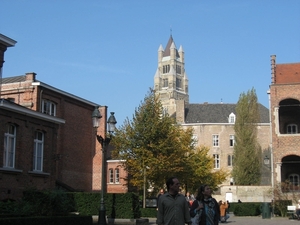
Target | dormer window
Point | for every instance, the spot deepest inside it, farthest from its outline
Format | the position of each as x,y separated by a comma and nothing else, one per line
231,118
48,107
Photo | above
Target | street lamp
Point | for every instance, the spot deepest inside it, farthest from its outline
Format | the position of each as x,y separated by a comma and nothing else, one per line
104,141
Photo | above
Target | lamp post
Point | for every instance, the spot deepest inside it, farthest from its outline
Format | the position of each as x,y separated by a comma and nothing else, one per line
104,141
267,163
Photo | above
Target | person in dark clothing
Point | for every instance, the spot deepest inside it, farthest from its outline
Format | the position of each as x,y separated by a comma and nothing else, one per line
208,208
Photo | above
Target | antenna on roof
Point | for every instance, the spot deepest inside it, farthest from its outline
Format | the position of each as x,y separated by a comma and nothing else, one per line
171,30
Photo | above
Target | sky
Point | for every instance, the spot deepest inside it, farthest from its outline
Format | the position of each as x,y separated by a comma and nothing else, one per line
105,51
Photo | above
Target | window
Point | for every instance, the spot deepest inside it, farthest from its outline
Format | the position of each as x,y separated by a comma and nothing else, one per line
165,82
231,118
111,176
178,83
230,160
117,176
48,107
292,129
195,139
215,140
231,140
216,161
178,69
166,68
294,181
9,146
38,151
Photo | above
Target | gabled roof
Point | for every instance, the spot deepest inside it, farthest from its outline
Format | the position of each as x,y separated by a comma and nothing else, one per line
167,49
15,79
217,113
22,78
287,73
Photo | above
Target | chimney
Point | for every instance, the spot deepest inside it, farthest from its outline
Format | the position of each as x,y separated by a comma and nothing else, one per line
273,66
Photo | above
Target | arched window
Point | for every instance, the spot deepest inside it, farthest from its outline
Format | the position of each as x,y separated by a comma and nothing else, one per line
231,118
117,176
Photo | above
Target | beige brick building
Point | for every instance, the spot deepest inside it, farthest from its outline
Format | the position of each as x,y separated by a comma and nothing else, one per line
213,124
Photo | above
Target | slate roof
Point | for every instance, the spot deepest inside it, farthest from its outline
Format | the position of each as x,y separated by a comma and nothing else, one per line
167,49
217,113
8,80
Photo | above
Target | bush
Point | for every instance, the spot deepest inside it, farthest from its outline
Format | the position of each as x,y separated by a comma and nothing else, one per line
149,212
247,209
74,220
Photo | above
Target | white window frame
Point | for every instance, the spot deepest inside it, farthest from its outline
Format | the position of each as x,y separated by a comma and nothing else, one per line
38,151
48,107
231,140
216,161
117,175
231,118
215,140
111,176
230,160
9,147
292,129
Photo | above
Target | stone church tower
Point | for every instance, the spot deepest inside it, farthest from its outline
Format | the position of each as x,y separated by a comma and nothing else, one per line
170,80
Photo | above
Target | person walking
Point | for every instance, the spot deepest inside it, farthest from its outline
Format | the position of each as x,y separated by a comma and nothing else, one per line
208,208
223,211
172,206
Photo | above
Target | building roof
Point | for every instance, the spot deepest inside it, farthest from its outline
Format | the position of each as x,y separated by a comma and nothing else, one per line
217,113
8,42
167,49
287,73
22,78
11,106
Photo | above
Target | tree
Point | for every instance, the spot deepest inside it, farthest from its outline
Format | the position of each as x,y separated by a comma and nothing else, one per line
247,151
154,147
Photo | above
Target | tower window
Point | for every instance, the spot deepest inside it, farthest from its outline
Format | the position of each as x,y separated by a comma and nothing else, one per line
165,82
166,68
178,83
178,69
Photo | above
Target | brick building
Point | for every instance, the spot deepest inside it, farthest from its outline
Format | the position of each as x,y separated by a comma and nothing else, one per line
70,156
213,124
285,110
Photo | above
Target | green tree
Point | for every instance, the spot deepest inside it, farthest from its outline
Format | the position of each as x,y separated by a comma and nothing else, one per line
153,146
247,151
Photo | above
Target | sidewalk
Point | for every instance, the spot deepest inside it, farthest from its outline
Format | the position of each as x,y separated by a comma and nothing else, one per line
233,220
236,220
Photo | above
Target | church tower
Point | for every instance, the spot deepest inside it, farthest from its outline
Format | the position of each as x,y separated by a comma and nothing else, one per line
170,80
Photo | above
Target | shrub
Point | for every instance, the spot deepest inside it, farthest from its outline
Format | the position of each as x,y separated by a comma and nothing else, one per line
247,209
